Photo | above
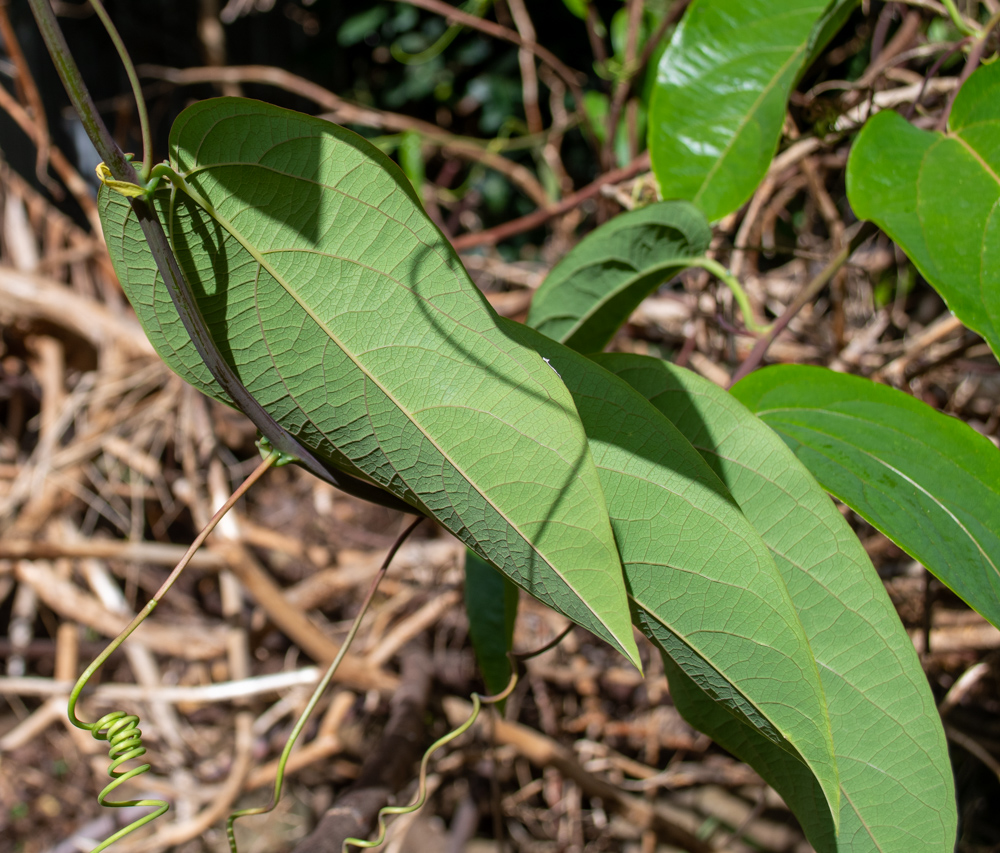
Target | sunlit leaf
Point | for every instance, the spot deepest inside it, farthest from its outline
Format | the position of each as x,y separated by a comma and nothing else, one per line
350,319
928,481
703,585
897,794
721,90
938,196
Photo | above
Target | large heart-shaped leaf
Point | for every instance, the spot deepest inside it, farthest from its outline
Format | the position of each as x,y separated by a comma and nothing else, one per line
720,95
592,291
938,196
928,481
897,794
703,586
350,319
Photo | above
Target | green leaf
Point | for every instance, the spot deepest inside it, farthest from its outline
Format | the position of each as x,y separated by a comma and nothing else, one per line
359,26
594,289
720,96
938,196
491,604
577,7
349,317
829,24
928,481
897,793
702,584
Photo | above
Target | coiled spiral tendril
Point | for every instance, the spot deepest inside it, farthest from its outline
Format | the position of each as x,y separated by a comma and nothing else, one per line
124,737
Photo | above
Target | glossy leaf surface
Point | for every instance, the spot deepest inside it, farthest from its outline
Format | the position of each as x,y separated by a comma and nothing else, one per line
703,585
597,285
720,96
938,196
896,789
351,320
928,481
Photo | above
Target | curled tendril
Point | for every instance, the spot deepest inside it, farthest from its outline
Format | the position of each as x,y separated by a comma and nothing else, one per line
119,728
121,731
388,811
477,702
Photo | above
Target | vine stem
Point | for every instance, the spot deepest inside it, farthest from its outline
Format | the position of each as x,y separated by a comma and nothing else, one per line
177,286
78,93
321,687
266,463
739,294
960,23
133,79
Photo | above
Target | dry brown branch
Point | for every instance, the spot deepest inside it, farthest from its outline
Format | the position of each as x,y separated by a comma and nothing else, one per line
346,112
539,217
30,296
189,642
197,694
66,171
529,77
296,625
457,16
412,626
26,84
805,296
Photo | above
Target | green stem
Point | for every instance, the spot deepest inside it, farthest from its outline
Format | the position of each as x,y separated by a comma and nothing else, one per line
84,105
133,78
739,294
279,779
960,23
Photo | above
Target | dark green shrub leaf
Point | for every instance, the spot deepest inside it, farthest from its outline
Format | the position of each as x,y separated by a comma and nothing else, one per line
897,794
351,320
928,481
938,196
594,289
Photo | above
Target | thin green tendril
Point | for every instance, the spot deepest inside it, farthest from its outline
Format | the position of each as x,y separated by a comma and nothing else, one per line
739,294
420,799
474,7
119,728
133,79
279,779
477,702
